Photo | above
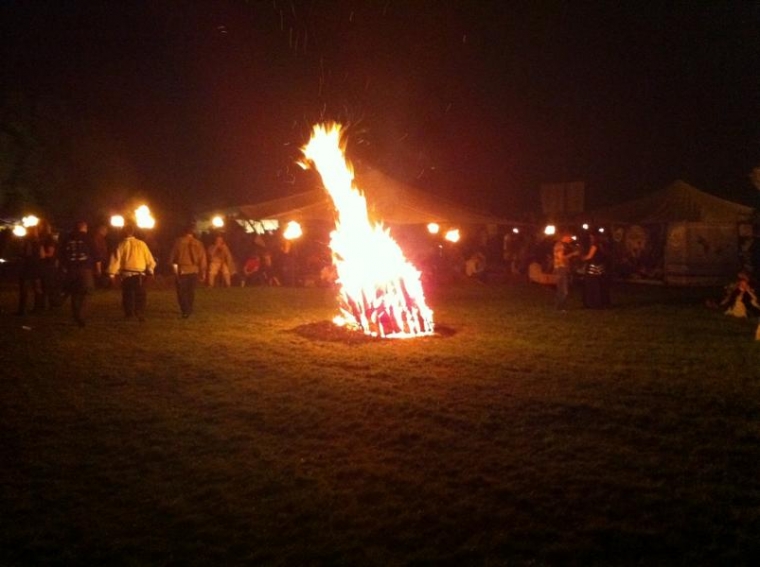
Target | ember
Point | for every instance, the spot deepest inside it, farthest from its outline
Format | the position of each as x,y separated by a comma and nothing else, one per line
380,292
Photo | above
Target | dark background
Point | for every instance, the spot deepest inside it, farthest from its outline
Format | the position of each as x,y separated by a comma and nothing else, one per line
194,105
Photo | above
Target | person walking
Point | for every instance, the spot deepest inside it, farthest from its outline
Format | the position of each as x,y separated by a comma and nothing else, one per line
188,258
133,262
563,255
78,263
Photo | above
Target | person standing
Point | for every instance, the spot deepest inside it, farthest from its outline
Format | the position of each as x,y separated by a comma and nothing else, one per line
563,255
100,242
78,263
134,263
51,295
29,274
188,258
596,291
220,262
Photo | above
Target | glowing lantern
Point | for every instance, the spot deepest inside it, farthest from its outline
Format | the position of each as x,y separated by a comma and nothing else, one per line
292,231
30,220
217,222
117,221
143,217
433,228
550,230
380,292
515,230
585,226
19,231
453,235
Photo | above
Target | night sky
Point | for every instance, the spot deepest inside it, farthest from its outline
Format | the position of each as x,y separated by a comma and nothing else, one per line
207,103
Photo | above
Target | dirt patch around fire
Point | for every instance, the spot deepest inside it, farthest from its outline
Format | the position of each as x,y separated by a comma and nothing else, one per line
330,332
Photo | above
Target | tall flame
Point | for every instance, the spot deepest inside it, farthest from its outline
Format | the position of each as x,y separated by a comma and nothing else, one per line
380,292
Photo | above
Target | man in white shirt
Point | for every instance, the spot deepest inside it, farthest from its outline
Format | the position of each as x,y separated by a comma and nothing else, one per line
133,262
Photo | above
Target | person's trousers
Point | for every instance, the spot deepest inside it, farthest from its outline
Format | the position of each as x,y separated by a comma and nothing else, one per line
80,283
563,287
186,292
214,269
134,295
25,284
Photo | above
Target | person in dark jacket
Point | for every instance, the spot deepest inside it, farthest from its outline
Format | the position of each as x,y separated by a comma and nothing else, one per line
596,286
78,263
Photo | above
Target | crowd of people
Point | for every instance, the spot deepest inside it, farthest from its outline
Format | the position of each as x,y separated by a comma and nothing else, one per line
54,269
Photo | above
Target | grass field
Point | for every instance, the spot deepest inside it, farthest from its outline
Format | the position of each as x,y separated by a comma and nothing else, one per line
256,433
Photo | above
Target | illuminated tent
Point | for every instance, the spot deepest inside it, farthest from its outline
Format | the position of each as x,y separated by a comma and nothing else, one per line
678,235
388,200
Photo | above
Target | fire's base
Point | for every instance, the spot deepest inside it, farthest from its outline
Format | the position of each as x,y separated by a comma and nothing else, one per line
327,331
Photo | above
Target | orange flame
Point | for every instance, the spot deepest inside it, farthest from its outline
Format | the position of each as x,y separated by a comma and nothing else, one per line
380,292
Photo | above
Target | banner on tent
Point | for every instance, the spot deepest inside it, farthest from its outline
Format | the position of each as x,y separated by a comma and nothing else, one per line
637,251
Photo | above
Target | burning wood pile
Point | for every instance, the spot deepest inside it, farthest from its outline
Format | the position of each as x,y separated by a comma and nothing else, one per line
380,292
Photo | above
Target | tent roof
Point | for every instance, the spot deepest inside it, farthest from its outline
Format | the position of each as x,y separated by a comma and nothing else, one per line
388,200
678,201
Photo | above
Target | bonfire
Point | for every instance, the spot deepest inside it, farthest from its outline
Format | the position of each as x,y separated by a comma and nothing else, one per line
379,290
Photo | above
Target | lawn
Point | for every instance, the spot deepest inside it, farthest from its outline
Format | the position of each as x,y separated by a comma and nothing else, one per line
256,433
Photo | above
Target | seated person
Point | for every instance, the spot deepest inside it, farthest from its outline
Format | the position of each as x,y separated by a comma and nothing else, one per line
252,274
475,265
268,272
740,299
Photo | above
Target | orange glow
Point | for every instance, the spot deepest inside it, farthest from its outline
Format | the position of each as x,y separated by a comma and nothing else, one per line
433,228
380,292
117,221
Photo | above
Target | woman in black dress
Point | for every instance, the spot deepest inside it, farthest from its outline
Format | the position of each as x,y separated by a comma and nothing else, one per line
596,289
